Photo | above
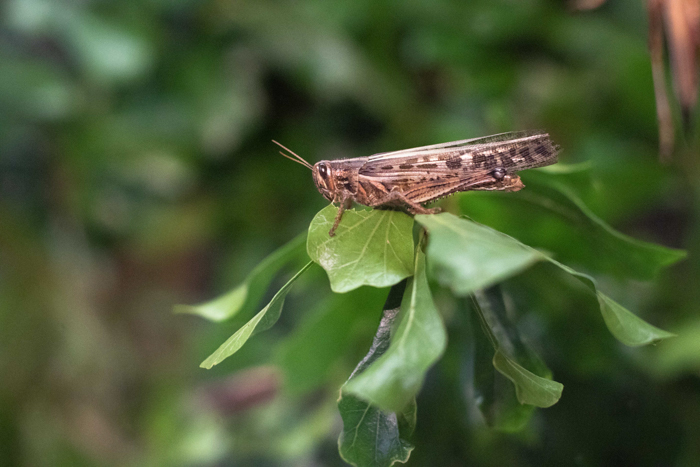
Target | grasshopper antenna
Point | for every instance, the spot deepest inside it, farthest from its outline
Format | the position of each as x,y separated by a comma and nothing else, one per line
297,158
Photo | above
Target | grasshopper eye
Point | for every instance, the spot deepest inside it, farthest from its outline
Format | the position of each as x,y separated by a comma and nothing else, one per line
323,170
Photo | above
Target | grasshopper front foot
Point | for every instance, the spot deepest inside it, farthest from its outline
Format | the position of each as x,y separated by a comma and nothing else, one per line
345,204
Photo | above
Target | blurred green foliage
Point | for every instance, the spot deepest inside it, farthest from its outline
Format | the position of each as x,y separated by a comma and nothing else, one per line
136,172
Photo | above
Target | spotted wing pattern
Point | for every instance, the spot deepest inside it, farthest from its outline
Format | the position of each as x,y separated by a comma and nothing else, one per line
430,172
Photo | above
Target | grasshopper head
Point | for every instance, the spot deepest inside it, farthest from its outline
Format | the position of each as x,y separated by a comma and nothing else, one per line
323,178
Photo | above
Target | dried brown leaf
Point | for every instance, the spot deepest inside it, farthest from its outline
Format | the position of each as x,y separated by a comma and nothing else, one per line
678,21
656,51
681,22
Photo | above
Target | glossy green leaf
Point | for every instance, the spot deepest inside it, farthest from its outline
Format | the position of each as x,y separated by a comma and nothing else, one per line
494,394
370,247
262,321
627,327
512,355
550,214
642,259
490,307
247,294
466,256
372,437
530,388
420,339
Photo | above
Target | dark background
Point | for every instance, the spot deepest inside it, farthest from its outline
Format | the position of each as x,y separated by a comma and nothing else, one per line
137,172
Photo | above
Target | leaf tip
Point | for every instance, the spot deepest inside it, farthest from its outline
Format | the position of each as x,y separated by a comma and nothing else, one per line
207,364
662,336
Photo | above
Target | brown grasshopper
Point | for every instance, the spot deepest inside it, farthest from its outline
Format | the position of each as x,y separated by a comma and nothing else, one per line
408,178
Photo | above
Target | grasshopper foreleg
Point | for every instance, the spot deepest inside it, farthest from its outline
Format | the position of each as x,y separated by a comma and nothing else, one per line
346,203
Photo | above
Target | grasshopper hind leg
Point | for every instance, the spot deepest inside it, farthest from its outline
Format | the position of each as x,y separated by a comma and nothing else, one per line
411,206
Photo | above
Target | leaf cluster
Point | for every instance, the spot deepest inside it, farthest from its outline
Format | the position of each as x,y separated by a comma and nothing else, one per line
378,248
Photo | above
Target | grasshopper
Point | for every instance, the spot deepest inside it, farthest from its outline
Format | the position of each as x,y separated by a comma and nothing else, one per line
409,178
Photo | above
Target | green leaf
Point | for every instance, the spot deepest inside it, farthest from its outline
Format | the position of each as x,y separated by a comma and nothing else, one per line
530,388
264,320
550,214
370,247
247,295
513,355
560,168
679,356
309,355
494,393
490,308
466,256
407,419
627,327
643,260
372,437
420,339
